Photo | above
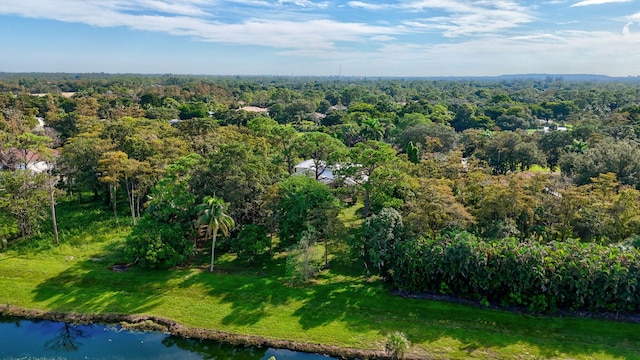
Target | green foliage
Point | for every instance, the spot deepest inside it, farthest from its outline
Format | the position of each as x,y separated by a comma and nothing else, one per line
542,277
8,228
508,151
240,176
301,201
159,245
171,199
193,110
212,213
430,138
379,233
302,263
413,152
619,157
24,196
397,345
250,242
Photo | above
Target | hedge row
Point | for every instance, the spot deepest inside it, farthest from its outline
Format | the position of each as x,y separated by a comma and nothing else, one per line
543,277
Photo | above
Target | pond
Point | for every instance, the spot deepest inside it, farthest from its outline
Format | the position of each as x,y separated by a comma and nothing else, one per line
27,339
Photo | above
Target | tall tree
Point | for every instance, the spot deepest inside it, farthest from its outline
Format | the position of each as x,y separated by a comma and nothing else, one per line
213,214
112,166
22,194
301,201
366,158
322,148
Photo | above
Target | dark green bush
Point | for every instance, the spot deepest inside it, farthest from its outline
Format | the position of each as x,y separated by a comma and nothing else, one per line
542,277
158,245
251,241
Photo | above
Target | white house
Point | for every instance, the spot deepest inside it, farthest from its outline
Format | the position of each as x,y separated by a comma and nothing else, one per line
15,159
327,173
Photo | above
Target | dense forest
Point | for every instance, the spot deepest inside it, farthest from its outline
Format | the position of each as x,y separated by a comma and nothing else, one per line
515,192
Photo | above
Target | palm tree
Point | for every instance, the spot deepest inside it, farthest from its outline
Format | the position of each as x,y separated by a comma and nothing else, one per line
212,214
372,129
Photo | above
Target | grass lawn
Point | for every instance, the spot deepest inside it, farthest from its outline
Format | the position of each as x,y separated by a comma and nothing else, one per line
341,307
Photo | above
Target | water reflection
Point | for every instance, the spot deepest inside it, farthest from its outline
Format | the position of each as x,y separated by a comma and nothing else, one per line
215,350
66,340
25,339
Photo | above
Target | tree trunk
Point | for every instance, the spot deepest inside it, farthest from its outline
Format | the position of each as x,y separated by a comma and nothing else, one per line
53,210
213,246
112,195
326,253
132,206
365,210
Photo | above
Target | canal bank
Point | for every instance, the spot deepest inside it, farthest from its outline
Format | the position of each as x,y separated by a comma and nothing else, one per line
168,326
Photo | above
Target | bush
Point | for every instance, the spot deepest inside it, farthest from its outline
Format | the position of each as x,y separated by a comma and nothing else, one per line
378,235
159,245
301,263
542,277
397,345
250,242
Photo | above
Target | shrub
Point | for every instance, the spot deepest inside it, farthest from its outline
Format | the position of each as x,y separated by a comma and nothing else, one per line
542,277
301,260
397,345
251,241
154,244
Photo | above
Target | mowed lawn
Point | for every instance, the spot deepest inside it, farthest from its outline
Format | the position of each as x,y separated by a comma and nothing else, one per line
341,307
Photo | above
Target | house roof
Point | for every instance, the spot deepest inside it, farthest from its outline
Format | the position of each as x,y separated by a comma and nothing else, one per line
308,168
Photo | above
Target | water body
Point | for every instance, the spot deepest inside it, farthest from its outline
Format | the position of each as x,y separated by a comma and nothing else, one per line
26,339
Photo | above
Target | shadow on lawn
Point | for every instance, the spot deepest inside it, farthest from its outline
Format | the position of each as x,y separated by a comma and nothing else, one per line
91,287
339,295
366,307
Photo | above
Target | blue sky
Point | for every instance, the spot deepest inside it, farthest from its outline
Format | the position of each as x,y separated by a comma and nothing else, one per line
320,37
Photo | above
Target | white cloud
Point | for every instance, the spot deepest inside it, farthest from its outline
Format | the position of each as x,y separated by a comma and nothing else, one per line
484,37
463,18
305,3
175,7
598,2
369,6
382,38
272,32
563,52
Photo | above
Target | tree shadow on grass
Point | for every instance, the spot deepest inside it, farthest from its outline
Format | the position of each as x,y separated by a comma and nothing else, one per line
248,295
366,307
91,287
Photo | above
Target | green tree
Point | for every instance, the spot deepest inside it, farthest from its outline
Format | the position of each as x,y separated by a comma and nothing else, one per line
241,177
322,148
433,208
508,151
301,201
608,156
24,196
193,110
112,166
78,164
250,242
378,235
366,158
212,214
300,265
172,200
283,138
371,129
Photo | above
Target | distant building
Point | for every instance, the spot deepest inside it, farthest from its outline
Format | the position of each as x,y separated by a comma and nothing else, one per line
326,173
16,159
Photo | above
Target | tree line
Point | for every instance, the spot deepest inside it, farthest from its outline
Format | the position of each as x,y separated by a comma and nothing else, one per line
491,167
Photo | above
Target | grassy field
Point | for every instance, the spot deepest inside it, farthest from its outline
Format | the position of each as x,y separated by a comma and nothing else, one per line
341,307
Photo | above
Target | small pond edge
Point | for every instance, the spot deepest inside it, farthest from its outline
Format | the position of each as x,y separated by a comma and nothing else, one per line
168,326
